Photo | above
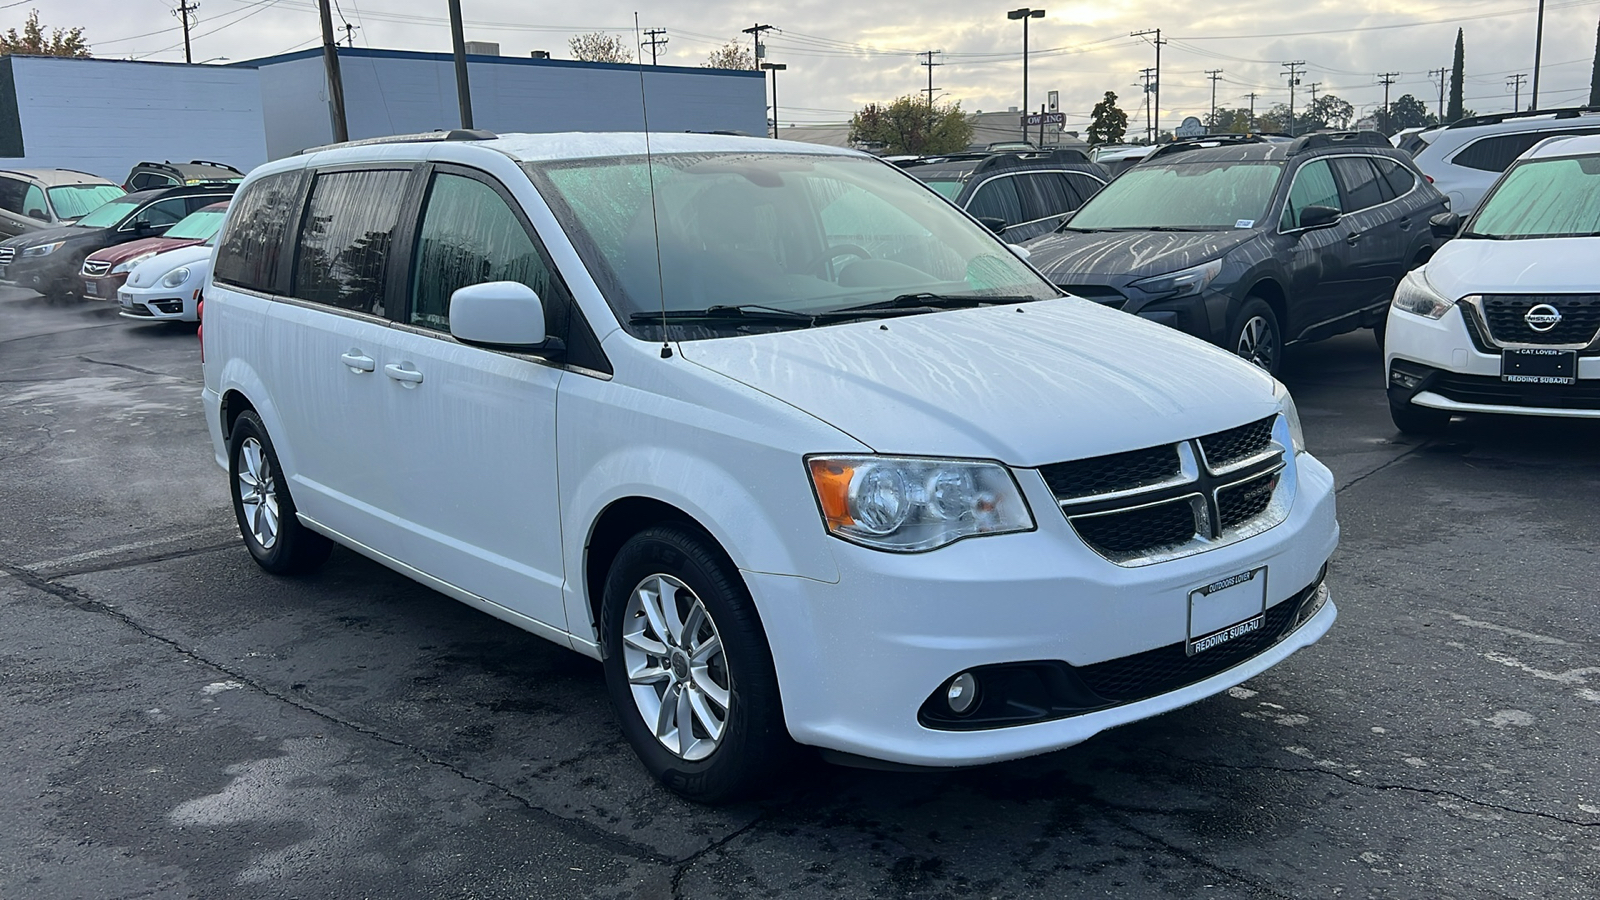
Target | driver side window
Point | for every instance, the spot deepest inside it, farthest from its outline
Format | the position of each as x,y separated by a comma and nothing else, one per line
1313,186
163,213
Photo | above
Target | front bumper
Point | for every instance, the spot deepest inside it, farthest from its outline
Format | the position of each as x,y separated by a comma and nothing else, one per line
159,303
42,273
856,660
102,287
1436,364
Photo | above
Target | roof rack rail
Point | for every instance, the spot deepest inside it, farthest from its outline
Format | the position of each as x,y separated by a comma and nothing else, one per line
76,171
1565,112
454,134
1200,142
207,162
1318,140
1009,158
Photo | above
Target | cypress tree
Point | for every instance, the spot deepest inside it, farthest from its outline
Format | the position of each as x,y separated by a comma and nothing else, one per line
1594,75
1457,104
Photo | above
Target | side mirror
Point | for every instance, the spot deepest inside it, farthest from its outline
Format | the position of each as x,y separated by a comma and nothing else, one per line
993,223
39,214
1021,251
1318,216
141,226
1446,224
503,314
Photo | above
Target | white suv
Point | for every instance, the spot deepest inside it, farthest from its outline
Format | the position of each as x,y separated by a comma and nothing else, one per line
801,451
1506,317
1464,158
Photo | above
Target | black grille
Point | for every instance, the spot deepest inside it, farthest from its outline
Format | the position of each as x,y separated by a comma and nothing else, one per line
1488,390
1227,447
1116,472
1168,668
1139,530
95,268
1103,294
1243,502
6,255
1580,318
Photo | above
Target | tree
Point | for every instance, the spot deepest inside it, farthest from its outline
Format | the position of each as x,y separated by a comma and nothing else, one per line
732,55
1407,112
1275,120
1457,109
1594,74
597,46
908,125
1108,124
1328,111
1228,121
61,42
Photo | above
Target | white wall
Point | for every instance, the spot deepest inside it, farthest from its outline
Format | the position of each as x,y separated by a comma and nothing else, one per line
102,116
398,92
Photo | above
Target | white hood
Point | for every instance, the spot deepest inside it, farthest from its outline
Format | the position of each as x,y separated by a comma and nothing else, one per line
1535,266
153,269
1057,380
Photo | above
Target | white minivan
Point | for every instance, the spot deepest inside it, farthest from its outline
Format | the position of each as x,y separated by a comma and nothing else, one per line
802,452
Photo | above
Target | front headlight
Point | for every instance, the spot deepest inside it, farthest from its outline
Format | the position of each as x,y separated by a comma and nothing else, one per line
1183,282
906,504
1416,296
1297,436
43,249
128,266
176,277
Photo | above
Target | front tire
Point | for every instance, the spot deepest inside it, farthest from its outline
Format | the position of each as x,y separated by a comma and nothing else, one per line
1418,421
1254,336
263,507
688,668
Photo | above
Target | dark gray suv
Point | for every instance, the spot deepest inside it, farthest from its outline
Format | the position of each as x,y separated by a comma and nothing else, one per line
1252,244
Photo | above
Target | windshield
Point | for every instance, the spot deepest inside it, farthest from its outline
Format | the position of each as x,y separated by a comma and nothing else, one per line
73,200
792,233
109,214
946,187
1198,195
197,225
1544,198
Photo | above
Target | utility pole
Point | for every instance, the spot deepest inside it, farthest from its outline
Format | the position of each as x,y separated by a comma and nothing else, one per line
929,62
1156,127
1516,90
330,61
1538,51
1386,79
463,90
182,12
755,33
1313,88
657,40
1294,80
349,34
1215,75
1251,125
1149,81
1441,73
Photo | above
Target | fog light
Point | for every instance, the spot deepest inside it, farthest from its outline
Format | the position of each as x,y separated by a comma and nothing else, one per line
962,695
1404,379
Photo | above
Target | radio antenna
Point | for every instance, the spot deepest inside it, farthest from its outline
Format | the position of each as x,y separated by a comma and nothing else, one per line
650,173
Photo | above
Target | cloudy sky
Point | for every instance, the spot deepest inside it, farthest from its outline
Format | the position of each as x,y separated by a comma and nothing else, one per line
842,54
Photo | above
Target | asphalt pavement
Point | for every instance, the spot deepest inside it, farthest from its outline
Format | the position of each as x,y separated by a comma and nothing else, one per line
177,723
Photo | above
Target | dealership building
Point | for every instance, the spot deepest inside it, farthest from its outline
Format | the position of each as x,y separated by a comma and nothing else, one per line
102,115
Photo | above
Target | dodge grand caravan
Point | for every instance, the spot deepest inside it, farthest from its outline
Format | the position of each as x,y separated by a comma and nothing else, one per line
803,453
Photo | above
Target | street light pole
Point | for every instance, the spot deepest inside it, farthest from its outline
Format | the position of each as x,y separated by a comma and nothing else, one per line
774,68
1025,14
1538,51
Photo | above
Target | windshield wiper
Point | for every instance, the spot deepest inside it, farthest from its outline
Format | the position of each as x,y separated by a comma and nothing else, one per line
746,312
1479,234
925,300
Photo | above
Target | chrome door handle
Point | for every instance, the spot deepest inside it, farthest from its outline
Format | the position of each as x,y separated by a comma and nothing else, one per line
1353,238
357,362
403,374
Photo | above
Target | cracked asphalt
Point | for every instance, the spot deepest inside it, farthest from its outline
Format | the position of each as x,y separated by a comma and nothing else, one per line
178,724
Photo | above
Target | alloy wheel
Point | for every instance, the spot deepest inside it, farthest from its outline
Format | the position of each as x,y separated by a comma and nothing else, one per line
1257,343
677,667
258,493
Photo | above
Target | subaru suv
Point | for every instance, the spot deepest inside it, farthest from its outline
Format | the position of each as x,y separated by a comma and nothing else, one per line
31,199
798,450
49,261
1249,242
1505,319
146,175
1019,195
1463,159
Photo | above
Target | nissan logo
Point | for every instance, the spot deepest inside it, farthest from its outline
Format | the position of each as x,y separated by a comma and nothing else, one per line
1542,317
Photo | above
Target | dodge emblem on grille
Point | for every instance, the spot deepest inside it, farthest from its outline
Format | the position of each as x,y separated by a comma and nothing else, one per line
1542,318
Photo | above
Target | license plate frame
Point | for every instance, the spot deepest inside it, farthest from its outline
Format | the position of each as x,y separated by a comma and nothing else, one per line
1538,365
1226,609
90,289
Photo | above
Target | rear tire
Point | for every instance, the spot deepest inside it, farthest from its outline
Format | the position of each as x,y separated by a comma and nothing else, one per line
1253,335
263,507
688,668
1419,421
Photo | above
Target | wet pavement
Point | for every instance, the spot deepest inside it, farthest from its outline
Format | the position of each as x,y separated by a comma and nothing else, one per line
178,724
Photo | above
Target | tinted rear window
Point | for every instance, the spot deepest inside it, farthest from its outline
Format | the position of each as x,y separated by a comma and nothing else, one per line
344,243
252,246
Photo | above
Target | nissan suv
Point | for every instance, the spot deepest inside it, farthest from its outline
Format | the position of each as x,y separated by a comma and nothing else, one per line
795,448
49,260
31,199
1251,243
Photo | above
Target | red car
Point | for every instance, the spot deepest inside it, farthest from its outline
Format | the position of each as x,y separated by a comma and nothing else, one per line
105,270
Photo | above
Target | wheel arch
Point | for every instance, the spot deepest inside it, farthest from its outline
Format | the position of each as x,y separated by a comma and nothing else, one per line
620,520
1268,291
